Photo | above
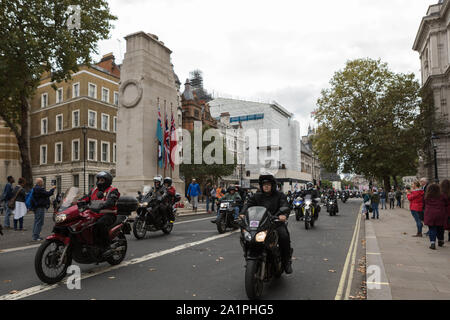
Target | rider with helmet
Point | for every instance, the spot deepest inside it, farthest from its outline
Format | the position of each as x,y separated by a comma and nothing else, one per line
170,196
314,195
234,196
274,200
104,191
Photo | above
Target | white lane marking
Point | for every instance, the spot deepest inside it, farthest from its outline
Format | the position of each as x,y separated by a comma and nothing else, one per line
95,272
37,245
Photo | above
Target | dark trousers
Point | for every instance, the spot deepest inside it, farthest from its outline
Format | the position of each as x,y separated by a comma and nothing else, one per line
20,223
399,202
436,232
284,241
391,203
101,229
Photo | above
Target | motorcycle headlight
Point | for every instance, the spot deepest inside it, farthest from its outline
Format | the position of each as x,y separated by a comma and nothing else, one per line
260,237
60,218
247,235
143,204
331,202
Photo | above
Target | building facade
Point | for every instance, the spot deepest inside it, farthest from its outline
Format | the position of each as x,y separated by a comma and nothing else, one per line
10,162
433,45
73,128
195,109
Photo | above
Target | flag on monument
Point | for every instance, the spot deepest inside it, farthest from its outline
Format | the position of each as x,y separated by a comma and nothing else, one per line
166,143
159,136
173,142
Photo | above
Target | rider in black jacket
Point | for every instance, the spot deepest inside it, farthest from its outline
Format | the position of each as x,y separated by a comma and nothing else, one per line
314,195
274,200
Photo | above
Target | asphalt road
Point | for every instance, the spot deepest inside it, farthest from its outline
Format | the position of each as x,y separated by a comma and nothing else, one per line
194,262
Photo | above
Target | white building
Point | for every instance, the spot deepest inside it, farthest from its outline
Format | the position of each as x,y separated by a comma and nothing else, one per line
278,153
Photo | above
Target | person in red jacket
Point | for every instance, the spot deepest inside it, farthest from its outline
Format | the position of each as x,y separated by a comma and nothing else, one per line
415,198
170,191
445,188
435,214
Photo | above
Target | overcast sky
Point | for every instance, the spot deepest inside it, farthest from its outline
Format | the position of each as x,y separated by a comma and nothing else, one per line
284,50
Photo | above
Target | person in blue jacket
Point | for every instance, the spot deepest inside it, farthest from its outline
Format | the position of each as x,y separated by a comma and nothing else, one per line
193,193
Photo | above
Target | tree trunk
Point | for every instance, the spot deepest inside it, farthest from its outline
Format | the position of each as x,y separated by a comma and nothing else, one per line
395,182
387,183
24,143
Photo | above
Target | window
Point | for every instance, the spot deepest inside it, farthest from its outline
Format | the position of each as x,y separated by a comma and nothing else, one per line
76,150
59,122
59,95
105,122
105,151
75,119
76,180
76,90
92,90
91,181
58,184
92,119
92,150
44,100
58,152
44,154
44,126
114,153
105,95
116,98
115,124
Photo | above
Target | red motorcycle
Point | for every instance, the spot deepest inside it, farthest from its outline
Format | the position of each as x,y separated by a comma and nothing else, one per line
73,237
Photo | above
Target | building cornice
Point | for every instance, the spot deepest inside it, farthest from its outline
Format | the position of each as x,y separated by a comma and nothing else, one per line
72,100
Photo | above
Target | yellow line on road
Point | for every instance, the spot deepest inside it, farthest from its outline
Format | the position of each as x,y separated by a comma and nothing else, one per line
355,247
341,286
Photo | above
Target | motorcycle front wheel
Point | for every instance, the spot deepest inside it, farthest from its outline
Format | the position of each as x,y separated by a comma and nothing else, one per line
46,261
139,229
167,229
119,255
253,284
307,223
222,224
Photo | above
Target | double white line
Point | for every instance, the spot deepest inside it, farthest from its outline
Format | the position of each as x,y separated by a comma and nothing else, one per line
351,254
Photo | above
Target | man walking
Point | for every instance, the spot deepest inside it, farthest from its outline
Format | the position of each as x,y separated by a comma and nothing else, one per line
383,199
40,203
375,200
6,196
194,192
207,193
391,196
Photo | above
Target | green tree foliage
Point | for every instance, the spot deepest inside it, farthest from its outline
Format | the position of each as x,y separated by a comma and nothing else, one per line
368,121
34,39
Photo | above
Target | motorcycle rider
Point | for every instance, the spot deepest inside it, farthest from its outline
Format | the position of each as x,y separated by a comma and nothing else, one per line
314,195
105,192
233,195
170,198
274,200
162,209
333,197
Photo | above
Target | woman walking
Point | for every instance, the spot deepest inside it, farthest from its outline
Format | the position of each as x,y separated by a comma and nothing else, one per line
20,209
415,198
435,214
445,189
391,196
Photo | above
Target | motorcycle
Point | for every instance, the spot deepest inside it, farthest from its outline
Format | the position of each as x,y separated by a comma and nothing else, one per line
226,216
297,207
73,238
148,220
332,207
344,197
310,212
259,240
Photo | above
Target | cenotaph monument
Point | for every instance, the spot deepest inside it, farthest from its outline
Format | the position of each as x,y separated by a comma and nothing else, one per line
147,80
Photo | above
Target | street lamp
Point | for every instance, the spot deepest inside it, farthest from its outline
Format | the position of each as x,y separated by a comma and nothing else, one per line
433,143
84,130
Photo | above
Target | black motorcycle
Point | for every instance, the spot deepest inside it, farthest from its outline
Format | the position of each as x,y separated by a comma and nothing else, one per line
344,197
149,217
259,239
332,206
226,216
310,211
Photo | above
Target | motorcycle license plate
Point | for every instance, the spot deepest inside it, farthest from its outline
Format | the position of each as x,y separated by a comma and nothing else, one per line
254,224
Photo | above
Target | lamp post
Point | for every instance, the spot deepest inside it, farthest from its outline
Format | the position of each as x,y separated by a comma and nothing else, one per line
434,137
84,130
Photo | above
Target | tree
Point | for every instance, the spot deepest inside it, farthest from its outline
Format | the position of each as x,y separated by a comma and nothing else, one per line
205,171
368,121
36,40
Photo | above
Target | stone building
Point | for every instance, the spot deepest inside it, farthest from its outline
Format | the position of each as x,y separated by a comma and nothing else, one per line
73,128
10,162
309,160
433,45
195,109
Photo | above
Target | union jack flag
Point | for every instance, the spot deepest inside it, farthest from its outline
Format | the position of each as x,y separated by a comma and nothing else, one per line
166,142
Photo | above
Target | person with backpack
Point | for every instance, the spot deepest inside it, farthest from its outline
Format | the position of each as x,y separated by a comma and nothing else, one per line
40,202
6,196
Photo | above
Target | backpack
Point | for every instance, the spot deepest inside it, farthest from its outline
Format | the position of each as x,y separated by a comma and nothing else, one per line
29,200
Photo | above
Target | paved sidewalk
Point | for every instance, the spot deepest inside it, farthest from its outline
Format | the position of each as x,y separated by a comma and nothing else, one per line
412,270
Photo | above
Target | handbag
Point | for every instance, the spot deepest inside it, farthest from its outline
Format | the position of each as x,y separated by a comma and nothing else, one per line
12,202
370,209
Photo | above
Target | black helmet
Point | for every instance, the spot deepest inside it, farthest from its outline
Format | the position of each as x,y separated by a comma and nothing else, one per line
267,177
309,186
168,180
231,188
108,180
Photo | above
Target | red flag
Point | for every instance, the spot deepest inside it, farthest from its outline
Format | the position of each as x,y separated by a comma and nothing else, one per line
166,143
173,142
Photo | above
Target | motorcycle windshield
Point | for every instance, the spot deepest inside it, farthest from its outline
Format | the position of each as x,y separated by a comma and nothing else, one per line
71,196
255,216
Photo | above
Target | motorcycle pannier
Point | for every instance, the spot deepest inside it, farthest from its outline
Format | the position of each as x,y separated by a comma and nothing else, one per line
126,205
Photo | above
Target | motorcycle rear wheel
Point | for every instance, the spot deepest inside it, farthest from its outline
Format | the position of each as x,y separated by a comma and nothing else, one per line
49,260
253,285
139,229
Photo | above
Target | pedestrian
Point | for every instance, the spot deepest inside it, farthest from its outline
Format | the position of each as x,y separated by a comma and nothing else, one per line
213,197
41,202
207,193
366,199
20,209
398,197
415,197
445,189
375,201
435,214
6,196
383,199
194,192
424,184
391,196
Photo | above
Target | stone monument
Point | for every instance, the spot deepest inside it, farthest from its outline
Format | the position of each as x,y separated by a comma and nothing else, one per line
147,79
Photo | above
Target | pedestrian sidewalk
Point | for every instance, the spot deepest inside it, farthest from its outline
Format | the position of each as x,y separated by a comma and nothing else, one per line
409,269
